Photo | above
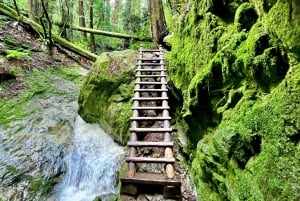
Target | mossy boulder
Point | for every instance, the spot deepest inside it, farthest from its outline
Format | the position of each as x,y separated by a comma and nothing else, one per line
105,96
237,86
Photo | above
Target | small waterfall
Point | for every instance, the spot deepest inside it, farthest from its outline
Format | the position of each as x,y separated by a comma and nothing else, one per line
92,165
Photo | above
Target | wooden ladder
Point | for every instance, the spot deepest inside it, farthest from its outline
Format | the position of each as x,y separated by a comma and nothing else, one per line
150,94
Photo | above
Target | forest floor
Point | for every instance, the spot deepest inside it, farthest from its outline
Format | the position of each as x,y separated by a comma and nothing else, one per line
22,49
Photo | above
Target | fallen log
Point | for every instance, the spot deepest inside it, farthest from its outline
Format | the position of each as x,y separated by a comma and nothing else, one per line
104,33
38,28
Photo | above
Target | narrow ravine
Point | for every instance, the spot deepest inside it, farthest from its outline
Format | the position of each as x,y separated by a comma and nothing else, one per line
92,165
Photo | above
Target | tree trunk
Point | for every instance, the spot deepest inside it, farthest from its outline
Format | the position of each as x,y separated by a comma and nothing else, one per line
29,3
64,19
81,15
116,12
105,33
158,22
38,28
92,37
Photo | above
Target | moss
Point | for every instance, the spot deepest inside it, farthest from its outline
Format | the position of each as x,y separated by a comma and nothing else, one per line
105,97
236,84
17,54
245,16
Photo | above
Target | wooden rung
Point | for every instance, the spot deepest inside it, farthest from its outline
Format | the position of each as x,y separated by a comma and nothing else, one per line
150,160
150,130
151,90
150,64
151,108
152,83
150,70
149,144
150,178
155,50
150,118
151,59
142,76
149,98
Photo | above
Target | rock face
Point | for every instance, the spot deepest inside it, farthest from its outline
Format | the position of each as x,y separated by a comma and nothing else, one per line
105,97
235,67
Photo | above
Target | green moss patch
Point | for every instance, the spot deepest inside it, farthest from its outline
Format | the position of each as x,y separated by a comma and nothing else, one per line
105,97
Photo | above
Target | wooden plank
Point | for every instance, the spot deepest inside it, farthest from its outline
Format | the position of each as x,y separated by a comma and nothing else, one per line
150,160
149,98
150,76
149,144
150,118
151,108
151,70
150,130
151,59
151,90
151,178
150,64
150,83
154,50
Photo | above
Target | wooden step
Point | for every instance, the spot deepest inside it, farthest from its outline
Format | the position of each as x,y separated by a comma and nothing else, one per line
151,59
151,108
150,178
149,118
150,76
150,130
145,50
150,160
149,98
150,83
151,90
150,64
150,70
149,144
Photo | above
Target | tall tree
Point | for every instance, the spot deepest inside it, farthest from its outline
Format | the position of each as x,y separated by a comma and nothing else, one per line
81,15
92,37
158,21
115,19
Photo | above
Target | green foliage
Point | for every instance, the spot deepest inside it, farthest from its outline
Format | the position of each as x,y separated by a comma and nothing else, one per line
17,54
239,85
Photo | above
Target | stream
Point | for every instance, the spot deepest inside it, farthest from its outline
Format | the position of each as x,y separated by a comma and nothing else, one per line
92,164
49,152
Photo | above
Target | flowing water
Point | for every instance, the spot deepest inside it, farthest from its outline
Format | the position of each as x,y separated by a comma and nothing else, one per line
44,155
92,165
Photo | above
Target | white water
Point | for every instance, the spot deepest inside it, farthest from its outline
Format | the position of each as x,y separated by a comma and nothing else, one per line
92,165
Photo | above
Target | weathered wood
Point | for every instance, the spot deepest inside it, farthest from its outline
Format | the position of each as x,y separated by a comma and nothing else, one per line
150,90
151,108
150,83
103,33
38,28
150,64
150,160
150,76
151,70
150,98
150,144
151,59
151,178
150,130
145,50
150,118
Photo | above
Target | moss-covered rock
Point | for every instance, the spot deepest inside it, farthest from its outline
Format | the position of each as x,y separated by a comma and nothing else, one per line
237,86
105,97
